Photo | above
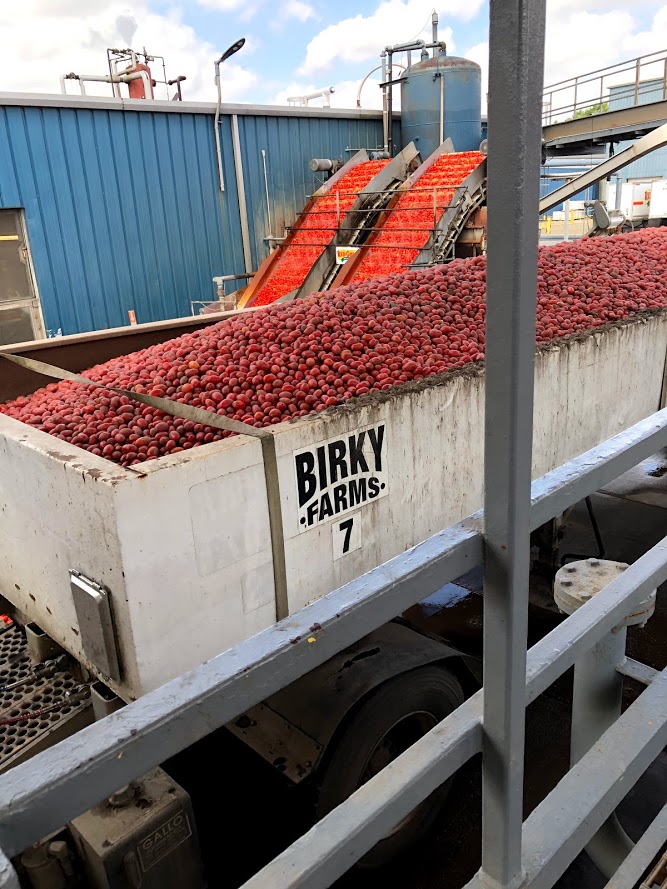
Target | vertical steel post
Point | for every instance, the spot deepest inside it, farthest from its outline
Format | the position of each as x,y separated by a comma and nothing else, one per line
596,705
240,188
515,138
638,67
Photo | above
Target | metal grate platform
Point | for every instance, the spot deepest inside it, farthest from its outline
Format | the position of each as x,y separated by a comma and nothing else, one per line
24,738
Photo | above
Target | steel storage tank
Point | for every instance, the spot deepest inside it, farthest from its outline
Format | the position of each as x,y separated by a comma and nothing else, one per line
444,86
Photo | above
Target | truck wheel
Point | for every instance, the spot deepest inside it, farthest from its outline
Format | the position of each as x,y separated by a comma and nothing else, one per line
395,716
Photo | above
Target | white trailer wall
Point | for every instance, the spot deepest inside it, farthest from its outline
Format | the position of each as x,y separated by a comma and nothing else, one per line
183,544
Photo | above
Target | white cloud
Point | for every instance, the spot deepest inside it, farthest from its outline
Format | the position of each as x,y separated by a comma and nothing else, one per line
361,37
223,5
297,9
571,50
54,37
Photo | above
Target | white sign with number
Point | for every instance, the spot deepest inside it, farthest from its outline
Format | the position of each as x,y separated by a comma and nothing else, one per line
346,536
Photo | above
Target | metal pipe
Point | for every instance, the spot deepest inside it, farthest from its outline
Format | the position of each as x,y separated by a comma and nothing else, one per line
240,188
442,106
596,705
385,131
372,71
434,26
324,94
390,110
268,202
516,68
107,78
216,130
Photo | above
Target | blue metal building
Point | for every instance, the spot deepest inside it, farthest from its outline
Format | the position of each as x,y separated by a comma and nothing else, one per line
568,167
653,165
119,208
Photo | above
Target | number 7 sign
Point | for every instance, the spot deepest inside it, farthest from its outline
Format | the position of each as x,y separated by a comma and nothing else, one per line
346,536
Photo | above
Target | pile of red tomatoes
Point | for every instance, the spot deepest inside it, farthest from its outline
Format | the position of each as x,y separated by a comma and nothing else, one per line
289,360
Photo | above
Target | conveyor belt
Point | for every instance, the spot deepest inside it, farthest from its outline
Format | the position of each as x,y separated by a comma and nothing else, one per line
360,220
648,143
421,224
306,261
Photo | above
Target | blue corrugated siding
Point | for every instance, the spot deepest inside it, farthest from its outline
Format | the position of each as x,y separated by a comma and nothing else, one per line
652,165
122,207
290,143
566,168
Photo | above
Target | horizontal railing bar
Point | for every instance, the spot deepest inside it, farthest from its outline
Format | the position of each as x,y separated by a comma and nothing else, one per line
636,670
558,650
640,857
610,68
561,826
60,783
556,491
329,849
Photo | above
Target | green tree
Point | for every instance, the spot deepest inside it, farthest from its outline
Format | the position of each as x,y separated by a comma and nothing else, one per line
600,108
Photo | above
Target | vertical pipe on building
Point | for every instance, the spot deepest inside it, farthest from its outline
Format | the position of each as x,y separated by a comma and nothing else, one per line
442,106
268,202
385,133
216,129
390,108
240,188
434,26
515,135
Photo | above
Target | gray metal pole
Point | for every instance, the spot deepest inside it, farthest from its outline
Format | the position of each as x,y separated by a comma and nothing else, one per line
596,705
240,188
515,138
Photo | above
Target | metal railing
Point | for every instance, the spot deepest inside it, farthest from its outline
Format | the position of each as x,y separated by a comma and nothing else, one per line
53,787
635,82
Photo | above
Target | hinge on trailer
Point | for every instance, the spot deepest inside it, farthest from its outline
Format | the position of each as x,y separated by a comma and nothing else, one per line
92,604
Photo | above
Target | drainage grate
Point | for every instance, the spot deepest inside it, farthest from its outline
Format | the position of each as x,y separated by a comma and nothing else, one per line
34,695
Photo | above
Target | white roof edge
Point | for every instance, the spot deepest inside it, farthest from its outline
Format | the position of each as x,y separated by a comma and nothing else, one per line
110,103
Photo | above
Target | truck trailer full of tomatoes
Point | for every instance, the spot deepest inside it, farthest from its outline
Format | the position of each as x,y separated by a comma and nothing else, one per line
122,506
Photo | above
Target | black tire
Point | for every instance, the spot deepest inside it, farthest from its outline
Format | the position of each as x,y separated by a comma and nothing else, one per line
393,717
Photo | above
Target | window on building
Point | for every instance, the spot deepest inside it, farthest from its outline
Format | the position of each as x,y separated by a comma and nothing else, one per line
20,314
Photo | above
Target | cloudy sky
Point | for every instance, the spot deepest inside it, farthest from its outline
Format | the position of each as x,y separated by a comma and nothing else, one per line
295,46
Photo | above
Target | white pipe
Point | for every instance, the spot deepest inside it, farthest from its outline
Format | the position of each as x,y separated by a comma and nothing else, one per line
268,202
216,128
317,94
372,71
107,78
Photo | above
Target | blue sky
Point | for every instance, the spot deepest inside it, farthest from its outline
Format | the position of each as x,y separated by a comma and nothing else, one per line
294,46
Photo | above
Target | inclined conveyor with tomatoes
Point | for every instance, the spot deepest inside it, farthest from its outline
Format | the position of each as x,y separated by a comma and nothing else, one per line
332,218
422,222
393,215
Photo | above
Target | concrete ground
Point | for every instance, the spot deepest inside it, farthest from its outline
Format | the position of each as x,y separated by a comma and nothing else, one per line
247,812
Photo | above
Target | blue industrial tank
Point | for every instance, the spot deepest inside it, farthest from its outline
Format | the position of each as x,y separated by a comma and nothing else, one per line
442,86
